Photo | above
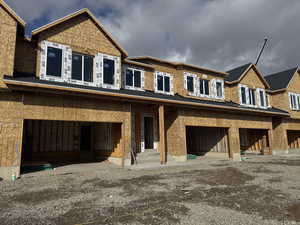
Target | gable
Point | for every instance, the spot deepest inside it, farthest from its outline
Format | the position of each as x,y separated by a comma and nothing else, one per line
6,18
294,84
9,13
82,34
252,78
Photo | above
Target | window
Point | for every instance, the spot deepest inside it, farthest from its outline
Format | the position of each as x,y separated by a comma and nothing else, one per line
263,98
54,62
133,78
204,87
219,89
252,100
108,71
163,83
190,84
243,95
82,67
294,101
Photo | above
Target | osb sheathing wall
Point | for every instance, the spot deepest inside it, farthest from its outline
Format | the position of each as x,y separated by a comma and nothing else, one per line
294,87
251,79
82,34
177,122
14,108
25,58
8,31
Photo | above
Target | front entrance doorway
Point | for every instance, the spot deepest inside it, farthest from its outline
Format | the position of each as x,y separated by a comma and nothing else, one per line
149,132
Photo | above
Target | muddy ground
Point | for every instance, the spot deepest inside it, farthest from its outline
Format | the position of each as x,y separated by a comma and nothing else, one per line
261,190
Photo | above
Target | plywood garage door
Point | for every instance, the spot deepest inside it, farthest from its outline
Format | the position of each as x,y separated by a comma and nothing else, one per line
201,140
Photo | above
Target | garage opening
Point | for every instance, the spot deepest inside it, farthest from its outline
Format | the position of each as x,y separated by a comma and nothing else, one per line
293,139
202,141
64,142
254,141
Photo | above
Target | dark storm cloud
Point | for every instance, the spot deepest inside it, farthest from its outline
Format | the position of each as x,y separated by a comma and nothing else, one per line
219,34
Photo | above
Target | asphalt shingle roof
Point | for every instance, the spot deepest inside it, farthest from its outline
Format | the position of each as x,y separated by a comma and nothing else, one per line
236,73
281,79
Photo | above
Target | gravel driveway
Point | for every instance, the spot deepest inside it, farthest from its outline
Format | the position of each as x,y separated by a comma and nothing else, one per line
262,190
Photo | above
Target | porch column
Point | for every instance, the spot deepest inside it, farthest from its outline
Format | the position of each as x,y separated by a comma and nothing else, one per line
280,139
270,138
162,135
234,144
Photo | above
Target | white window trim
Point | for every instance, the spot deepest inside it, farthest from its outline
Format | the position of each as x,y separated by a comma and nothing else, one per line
223,90
209,88
157,73
65,64
82,82
247,96
194,76
296,106
142,88
258,90
117,73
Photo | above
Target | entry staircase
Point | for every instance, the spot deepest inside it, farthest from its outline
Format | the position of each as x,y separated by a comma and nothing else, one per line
148,159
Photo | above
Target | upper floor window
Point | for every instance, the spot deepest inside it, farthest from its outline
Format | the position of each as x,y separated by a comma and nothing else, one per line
219,85
163,83
190,83
263,98
108,71
294,101
243,95
204,87
54,62
252,98
82,67
133,78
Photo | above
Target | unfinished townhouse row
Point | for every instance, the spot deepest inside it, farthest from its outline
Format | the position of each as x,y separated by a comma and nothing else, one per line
70,93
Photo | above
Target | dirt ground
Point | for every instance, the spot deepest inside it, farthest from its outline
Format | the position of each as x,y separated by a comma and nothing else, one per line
262,190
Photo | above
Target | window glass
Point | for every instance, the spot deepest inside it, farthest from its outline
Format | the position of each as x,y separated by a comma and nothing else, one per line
243,95
108,71
298,101
88,68
76,67
129,77
206,87
262,98
137,78
190,83
167,84
219,89
54,61
251,96
160,83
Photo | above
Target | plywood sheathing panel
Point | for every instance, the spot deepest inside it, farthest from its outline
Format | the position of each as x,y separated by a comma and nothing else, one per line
25,58
8,33
14,108
81,34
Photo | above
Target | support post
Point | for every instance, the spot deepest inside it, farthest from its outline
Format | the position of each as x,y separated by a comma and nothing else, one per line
162,135
234,143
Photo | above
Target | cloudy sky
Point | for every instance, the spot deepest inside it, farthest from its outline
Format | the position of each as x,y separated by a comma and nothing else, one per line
219,34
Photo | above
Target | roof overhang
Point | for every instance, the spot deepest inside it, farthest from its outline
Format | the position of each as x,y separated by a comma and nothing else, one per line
77,13
13,13
56,88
